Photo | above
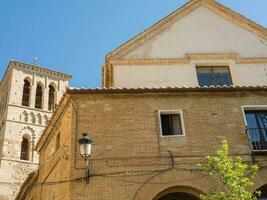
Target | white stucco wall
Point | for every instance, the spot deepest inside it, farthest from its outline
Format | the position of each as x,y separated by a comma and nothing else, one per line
202,31
154,75
185,75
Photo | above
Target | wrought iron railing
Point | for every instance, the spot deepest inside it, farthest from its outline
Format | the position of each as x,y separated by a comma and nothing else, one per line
258,138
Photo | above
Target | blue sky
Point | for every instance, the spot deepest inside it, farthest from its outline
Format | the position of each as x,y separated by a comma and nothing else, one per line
74,36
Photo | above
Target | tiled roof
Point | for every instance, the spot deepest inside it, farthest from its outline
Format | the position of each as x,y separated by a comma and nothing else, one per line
82,90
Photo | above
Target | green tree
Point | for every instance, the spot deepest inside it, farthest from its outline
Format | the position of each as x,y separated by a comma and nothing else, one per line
235,176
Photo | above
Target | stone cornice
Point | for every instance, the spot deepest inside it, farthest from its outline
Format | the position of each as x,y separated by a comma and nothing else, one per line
31,69
40,70
6,76
25,123
108,68
31,109
188,58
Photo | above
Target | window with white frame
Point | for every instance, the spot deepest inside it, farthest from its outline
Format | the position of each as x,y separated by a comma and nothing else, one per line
171,123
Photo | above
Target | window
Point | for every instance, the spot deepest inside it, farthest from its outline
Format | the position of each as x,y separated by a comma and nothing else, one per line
39,97
171,123
24,154
51,98
257,128
57,141
26,93
208,76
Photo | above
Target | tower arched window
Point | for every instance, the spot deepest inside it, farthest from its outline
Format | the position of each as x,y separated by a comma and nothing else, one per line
24,153
26,93
39,97
51,98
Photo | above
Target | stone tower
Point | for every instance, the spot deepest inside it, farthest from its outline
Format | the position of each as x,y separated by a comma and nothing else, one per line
28,96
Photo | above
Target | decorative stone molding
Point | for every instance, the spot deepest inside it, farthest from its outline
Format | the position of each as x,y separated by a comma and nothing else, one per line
107,74
29,68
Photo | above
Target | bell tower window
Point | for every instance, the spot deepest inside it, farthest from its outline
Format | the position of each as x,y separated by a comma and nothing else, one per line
26,93
51,98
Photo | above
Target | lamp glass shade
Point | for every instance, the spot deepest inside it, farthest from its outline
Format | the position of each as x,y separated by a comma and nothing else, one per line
85,146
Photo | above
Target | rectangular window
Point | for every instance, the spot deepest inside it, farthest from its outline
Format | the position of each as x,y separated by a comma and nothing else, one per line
218,75
57,141
171,123
257,129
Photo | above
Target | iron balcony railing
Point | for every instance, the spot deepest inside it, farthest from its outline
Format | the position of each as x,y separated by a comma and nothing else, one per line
258,139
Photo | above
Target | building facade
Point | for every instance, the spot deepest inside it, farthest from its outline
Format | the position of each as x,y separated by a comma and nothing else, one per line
28,97
169,97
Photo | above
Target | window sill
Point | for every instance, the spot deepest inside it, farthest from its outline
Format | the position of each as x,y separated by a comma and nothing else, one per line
172,136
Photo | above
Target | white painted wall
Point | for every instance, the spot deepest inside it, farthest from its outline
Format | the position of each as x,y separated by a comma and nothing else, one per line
154,75
185,75
202,31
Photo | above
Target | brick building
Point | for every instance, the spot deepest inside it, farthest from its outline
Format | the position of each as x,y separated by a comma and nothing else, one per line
169,97
28,95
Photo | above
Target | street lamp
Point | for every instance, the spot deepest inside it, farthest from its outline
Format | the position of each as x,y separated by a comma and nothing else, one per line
85,150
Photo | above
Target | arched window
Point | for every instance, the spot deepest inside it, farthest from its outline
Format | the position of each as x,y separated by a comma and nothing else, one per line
39,97
51,98
24,153
26,93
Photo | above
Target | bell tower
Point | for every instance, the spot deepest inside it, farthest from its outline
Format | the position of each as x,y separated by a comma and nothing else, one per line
28,97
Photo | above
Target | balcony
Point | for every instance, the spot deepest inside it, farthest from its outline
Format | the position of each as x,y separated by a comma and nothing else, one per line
258,139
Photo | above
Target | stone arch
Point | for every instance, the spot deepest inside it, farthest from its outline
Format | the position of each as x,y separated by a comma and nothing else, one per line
26,91
27,133
263,190
260,179
27,130
25,117
45,119
39,95
25,147
39,119
188,181
33,119
52,96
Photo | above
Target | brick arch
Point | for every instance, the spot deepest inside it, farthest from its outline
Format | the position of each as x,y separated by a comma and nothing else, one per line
260,179
191,182
179,189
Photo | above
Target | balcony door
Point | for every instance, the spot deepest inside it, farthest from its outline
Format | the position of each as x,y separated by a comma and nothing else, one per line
257,129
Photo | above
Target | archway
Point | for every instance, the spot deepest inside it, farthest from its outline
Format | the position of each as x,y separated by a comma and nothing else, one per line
178,196
178,193
263,191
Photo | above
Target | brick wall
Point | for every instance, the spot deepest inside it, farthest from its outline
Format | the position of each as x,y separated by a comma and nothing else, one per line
129,158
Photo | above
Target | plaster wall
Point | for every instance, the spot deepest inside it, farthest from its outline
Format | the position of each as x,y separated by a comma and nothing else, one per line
202,31
180,75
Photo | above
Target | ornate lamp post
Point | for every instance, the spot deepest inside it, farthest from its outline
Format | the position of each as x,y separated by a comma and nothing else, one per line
85,151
